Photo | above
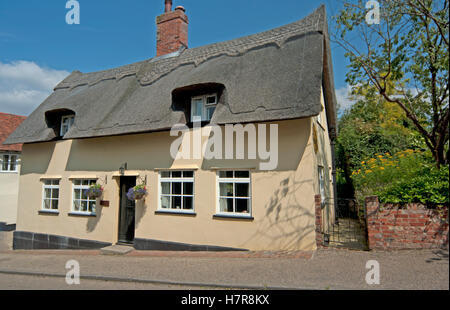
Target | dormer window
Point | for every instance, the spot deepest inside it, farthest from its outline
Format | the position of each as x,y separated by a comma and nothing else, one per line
66,123
203,107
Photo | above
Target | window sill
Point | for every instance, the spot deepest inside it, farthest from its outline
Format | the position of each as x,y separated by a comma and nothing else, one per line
232,216
48,212
82,214
9,172
162,212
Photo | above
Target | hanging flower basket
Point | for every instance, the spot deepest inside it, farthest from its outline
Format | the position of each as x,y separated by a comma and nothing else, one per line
94,191
137,193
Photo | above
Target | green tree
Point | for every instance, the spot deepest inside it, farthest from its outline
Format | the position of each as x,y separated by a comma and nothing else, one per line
371,126
405,60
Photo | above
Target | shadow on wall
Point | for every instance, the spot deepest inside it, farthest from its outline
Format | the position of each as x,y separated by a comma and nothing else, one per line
141,209
93,221
36,158
140,152
287,222
293,136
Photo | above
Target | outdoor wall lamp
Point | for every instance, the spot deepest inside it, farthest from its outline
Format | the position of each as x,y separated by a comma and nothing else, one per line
123,168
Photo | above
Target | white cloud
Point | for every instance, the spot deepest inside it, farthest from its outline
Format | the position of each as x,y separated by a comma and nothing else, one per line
344,98
24,86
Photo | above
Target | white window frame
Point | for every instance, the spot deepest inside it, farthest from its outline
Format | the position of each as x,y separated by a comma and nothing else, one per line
8,167
321,178
71,120
234,180
44,198
205,105
171,180
88,200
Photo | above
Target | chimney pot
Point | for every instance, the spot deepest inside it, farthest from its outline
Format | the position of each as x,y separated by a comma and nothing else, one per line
168,4
180,8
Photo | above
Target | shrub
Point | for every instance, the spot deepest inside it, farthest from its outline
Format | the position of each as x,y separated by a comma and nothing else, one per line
405,177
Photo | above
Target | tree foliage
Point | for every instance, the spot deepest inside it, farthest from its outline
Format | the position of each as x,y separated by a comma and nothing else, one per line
404,60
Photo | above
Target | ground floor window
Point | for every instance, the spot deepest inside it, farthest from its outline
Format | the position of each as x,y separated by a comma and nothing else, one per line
177,191
50,198
9,162
81,202
234,192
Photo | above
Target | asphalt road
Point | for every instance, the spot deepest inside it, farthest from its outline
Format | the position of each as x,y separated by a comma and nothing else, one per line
328,269
20,282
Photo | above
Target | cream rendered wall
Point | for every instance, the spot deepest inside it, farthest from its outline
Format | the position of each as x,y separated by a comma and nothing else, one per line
282,199
9,191
324,159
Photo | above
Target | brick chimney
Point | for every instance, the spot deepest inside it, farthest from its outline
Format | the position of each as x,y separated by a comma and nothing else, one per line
172,30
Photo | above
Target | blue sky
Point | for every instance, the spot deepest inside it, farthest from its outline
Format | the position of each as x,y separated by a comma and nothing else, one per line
38,48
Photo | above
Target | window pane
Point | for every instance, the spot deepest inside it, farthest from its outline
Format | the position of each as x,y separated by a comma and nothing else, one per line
84,205
187,203
55,193
165,188
176,174
55,204
48,182
12,164
210,112
5,162
77,182
197,107
242,190
176,202
47,193
226,174
188,188
47,203
55,182
85,182
188,174
226,205
242,174
165,174
242,205
226,189
165,202
92,206
211,100
77,194
176,188
76,205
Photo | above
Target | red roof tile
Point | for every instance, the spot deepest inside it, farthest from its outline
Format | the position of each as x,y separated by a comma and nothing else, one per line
9,123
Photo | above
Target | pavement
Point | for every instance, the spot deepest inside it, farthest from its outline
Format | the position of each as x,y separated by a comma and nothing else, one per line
329,268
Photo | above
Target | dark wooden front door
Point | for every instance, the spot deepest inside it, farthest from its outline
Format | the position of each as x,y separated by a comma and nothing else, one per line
127,208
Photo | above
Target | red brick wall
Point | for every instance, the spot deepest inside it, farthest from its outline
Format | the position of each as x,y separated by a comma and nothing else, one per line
412,226
319,233
172,32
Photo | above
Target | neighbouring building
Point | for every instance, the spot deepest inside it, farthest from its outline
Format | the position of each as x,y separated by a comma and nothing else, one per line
9,171
113,128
